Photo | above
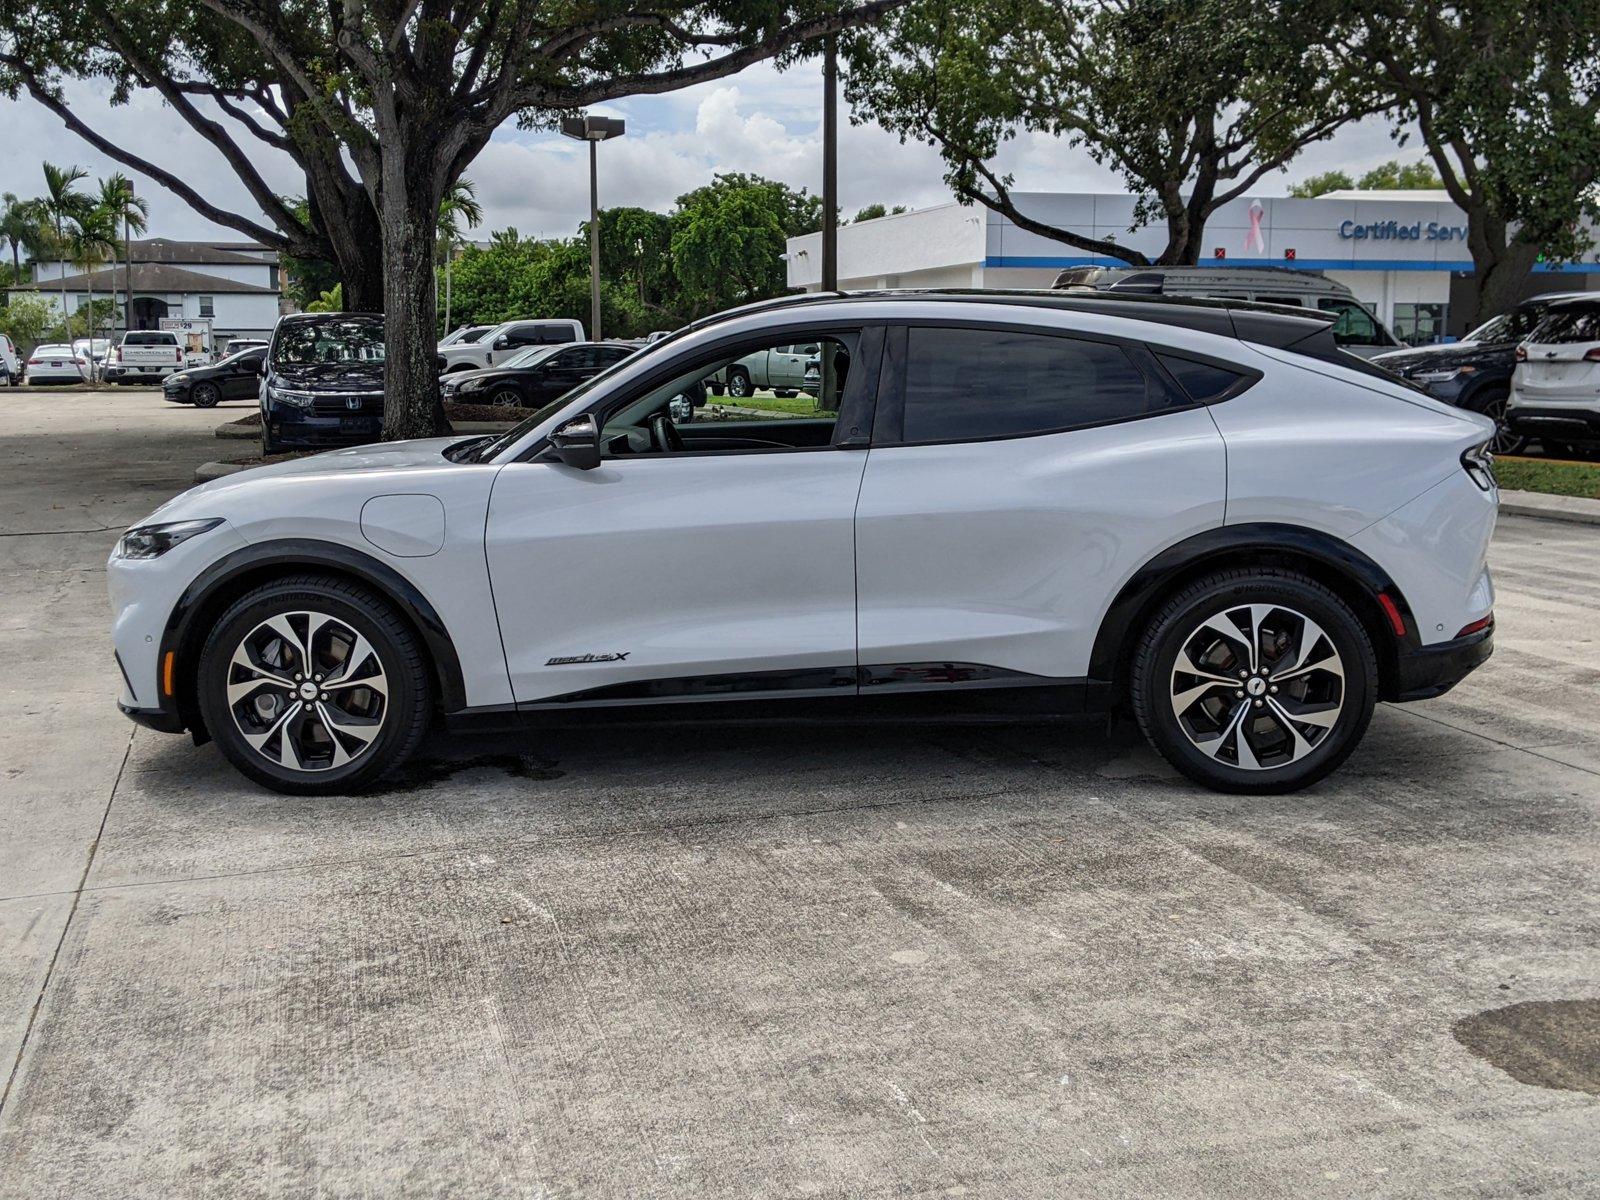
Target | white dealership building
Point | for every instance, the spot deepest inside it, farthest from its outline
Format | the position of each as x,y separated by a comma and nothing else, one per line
1403,253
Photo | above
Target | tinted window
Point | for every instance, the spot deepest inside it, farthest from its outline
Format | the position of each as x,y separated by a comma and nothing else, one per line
1570,323
613,354
1353,326
149,339
579,358
1292,301
977,383
1202,381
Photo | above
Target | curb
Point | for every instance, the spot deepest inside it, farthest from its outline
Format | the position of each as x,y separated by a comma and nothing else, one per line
1574,510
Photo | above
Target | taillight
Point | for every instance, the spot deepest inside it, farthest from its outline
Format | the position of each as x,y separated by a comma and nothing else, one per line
1592,355
36,362
1477,626
1522,354
1479,464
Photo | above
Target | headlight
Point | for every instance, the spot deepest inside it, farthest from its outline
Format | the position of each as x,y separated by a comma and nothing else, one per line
1442,374
473,385
152,541
293,399
180,377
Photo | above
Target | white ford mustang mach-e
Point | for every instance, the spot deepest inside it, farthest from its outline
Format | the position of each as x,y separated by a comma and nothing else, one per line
1204,512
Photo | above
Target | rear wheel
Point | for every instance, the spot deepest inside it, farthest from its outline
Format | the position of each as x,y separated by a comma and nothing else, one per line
312,686
204,395
1254,680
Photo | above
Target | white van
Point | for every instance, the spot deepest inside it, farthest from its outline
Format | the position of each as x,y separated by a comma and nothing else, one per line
1355,328
10,363
506,339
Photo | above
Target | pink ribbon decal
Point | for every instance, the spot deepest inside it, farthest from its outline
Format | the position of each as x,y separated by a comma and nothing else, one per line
1255,239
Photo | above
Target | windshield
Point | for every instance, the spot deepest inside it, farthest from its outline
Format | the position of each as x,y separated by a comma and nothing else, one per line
531,355
340,340
237,355
1510,326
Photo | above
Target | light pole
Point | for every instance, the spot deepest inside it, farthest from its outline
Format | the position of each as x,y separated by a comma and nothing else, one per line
593,130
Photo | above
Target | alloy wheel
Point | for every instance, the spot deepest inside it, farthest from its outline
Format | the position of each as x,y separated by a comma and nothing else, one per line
506,398
1504,441
307,692
1257,686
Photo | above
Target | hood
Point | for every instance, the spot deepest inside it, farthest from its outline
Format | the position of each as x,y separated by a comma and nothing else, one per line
1450,354
457,378
330,377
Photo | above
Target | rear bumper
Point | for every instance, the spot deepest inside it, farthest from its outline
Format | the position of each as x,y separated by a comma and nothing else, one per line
1561,424
1430,671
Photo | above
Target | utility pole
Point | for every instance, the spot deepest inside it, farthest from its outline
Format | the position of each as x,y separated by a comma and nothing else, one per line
827,399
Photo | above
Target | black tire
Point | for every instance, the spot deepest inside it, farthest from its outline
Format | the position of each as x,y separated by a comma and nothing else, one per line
716,388
505,397
405,712
785,393
1493,406
204,395
1180,624
739,383
269,446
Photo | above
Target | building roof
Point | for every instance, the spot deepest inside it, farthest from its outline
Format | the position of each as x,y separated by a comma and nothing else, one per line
147,277
1390,195
166,250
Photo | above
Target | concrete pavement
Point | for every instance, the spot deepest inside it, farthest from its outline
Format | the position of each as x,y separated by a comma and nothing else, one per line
1015,960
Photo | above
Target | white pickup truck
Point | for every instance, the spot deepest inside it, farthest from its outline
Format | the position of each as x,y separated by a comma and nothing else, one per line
783,369
145,354
504,341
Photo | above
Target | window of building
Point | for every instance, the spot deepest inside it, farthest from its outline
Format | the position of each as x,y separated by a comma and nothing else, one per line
1420,324
984,383
208,306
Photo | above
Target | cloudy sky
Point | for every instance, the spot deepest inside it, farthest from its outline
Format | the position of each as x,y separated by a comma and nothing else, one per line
762,121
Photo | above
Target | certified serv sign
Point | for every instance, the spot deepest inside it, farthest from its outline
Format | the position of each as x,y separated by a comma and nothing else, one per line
1398,231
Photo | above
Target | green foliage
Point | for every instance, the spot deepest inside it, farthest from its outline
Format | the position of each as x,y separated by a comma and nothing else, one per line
29,320
873,211
1395,174
1313,186
1190,101
329,301
728,239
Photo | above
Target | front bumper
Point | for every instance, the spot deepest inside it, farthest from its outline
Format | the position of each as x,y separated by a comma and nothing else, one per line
1430,671
176,391
298,429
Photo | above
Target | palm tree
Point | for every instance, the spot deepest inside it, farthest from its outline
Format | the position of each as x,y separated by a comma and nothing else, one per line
460,204
119,203
62,202
20,225
93,240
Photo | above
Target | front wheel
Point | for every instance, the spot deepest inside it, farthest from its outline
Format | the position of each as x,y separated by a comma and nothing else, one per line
1254,680
739,385
312,685
506,397
204,395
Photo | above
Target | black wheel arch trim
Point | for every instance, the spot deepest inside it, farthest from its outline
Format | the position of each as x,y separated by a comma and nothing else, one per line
1264,542
298,554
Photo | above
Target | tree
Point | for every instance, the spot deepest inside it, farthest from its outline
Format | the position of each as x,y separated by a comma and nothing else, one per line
1319,185
459,207
1396,175
92,241
636,245
129,214
62,204
407,92
27,319
1506,95
21,226
873,211
1191,101
729,237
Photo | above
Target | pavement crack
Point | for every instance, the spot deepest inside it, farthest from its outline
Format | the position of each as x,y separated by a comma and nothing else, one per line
66,927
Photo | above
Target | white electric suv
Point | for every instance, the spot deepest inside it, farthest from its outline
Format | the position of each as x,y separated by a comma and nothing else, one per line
1203,512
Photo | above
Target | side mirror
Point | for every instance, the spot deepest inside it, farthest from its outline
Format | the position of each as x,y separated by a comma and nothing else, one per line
577,443
501,342
261,366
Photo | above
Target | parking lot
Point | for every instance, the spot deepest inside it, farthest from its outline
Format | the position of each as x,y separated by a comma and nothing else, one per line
988,960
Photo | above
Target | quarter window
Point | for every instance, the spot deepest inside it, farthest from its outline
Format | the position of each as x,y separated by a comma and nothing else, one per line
1202,381
963,384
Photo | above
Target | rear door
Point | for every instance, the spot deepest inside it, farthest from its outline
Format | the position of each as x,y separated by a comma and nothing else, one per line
1017,479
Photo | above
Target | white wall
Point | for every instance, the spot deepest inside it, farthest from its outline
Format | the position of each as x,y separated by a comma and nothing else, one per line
944,244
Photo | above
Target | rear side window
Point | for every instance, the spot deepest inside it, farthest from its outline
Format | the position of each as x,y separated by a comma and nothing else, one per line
149,338
1570,323
553,334
963,384
1352,324
1203,382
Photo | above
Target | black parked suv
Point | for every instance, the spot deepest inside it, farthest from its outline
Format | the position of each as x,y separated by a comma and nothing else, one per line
1475,373
324,382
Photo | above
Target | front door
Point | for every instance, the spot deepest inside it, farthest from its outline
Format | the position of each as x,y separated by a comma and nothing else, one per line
676,571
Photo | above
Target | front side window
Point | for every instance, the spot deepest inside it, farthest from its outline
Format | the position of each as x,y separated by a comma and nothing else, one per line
964,384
